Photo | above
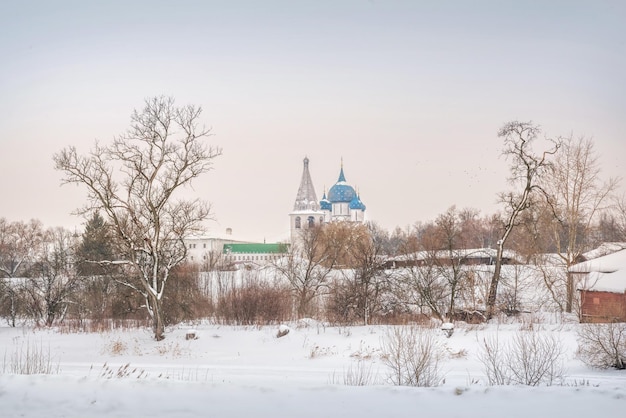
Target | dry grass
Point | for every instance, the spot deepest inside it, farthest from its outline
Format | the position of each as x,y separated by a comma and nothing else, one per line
359,373
27,357
170,348
101,326
122,372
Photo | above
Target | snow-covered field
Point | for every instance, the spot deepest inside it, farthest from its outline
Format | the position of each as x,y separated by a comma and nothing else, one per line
247,371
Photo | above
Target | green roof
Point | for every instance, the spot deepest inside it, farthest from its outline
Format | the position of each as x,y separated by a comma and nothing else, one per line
277,248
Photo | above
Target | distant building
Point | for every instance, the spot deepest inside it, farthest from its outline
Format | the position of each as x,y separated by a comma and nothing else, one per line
253,253
207,250
343,203
602,286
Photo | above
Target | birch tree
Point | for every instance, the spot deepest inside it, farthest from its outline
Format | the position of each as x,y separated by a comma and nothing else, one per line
135,182
526,171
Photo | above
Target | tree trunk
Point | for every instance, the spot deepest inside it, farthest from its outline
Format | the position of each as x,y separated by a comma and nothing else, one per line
570,293
495,280
156,308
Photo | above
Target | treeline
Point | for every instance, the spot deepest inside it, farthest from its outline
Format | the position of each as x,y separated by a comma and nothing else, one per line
53,275
340,273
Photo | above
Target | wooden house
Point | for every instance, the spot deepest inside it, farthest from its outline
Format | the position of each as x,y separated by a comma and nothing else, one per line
602,285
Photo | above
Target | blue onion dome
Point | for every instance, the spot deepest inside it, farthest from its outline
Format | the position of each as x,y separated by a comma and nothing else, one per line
356,203
341,192
325,203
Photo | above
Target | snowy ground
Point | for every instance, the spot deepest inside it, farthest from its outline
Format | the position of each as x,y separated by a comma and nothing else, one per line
238,371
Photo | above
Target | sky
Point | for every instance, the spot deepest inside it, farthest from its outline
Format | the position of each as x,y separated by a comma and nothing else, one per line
410,94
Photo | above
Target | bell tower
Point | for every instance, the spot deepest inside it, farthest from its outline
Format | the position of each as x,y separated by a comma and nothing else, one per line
306,209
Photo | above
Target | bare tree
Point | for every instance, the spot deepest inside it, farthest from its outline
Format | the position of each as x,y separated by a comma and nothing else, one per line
359,294
17,243
423,286
370,279
527,168
134,182
450,261
52,277
306,267
576,196
620,214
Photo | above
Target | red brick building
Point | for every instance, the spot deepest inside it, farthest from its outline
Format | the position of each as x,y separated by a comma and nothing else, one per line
602,286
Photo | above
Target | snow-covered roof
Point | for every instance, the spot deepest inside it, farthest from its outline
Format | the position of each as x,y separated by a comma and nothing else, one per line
607,273
225,236
460,253
605,264
604,249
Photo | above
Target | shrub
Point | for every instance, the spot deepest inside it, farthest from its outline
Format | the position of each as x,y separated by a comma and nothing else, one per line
603,345
531,358
255,302
184,300
413,355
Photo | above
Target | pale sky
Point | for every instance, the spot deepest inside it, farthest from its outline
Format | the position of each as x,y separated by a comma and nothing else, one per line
410,94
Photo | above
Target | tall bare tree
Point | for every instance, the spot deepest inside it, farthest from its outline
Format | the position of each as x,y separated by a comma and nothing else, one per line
576,196
527,169
134,183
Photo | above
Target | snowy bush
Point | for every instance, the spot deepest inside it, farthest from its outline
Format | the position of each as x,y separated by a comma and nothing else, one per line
531,358
413,355
603,345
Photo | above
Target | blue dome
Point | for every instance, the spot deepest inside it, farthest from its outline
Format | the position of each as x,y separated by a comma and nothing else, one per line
325,203
341,192
356,204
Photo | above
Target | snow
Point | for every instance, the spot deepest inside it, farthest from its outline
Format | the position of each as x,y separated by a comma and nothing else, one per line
247,371
605,264
606,273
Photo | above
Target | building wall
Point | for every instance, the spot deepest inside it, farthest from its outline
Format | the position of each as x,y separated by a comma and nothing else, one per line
598,307
304,220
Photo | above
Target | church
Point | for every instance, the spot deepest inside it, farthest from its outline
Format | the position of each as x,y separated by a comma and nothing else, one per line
343,203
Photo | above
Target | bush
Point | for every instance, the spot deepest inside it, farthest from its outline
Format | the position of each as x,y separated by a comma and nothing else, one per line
413,354
531,358
255,302
184,300
603,345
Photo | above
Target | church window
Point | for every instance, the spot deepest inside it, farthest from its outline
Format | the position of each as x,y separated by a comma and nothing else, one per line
297,222
311,221
321,220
